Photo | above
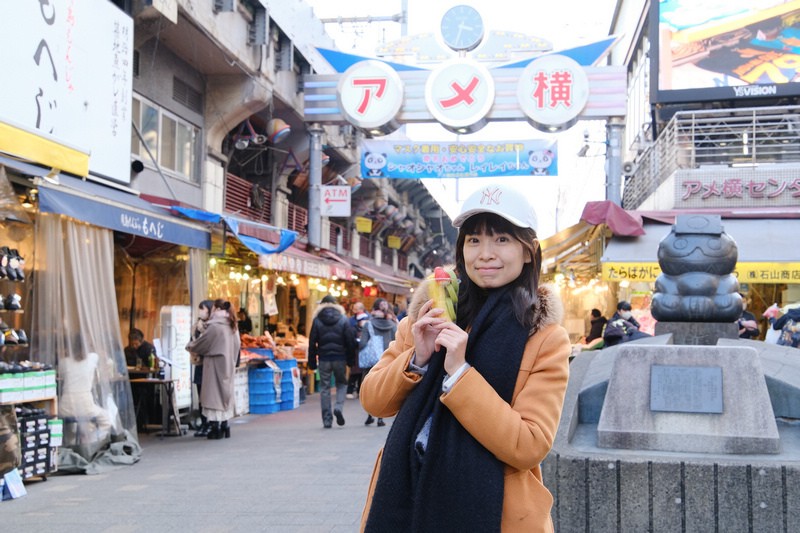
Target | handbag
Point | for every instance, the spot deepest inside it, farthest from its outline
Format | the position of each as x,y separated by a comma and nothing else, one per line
372,352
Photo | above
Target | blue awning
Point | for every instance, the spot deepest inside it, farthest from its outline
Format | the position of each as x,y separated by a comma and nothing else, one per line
118,210
256,245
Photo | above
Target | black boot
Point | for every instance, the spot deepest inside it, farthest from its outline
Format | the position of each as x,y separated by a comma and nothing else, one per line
214,431
381,423
225,429
369,421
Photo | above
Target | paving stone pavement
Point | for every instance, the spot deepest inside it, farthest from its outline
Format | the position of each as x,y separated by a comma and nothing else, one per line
279,473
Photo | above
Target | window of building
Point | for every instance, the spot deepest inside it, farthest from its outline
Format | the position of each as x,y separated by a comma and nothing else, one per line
173,142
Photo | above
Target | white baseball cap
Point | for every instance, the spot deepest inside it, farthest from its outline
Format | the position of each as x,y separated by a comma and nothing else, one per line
502,200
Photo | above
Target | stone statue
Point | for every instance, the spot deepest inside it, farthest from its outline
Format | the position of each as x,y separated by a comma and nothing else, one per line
697,259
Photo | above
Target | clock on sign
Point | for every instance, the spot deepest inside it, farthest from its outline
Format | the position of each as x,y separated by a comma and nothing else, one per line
462,28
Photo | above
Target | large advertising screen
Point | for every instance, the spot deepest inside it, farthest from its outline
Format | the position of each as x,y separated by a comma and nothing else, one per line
724,49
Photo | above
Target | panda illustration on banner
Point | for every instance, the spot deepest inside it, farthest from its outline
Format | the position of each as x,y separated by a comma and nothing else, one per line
375,163
540,161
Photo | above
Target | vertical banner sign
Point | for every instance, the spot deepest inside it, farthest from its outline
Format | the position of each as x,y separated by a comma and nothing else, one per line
67,72
176,332
414,160
335,200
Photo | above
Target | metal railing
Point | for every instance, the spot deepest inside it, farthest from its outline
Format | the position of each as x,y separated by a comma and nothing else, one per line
729,137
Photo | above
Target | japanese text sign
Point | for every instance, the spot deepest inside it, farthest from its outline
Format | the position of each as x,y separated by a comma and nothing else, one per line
68,73
414,160
553,90
744,272
460,93
335,201
370,94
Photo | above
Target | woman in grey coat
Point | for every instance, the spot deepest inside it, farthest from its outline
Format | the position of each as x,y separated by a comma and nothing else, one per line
219,345
383,324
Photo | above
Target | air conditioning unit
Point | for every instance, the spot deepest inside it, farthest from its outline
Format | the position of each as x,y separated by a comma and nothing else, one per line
628,168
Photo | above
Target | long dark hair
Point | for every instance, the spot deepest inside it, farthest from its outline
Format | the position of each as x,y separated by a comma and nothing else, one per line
219,303
524,289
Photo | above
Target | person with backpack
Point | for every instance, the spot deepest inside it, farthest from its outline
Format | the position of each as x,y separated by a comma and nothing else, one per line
332,340
380,324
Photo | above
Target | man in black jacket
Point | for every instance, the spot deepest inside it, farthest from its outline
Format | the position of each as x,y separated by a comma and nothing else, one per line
333,341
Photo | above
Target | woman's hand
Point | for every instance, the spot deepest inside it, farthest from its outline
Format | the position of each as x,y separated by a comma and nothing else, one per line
454,339
425,331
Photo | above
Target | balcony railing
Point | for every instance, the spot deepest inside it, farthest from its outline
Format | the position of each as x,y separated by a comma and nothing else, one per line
298,220
345,237
239,200
729,137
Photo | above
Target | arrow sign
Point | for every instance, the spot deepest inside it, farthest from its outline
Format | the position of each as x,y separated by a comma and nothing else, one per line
335,201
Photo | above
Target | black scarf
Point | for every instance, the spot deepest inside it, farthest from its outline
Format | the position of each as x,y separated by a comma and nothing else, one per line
458,484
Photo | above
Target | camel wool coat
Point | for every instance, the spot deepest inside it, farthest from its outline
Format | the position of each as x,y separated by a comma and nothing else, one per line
219,345
520,434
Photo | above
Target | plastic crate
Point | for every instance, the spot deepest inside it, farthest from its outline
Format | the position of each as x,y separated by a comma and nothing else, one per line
287,406
262,387
268,397
264,408
286,364
286,395
261,374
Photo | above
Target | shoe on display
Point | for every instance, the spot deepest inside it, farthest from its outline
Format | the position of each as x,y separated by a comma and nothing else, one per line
5,260
17,263
2,303
11,337
13,302
23,338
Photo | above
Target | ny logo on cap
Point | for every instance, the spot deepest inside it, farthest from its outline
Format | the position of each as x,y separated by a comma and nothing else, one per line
491,196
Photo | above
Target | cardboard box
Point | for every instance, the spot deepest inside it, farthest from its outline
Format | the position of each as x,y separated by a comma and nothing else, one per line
50,391
12,395
31,394
28,440
11,381
43,438
56,441
49,378
56,427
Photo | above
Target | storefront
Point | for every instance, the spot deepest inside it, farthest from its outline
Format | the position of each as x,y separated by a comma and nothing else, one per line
767,267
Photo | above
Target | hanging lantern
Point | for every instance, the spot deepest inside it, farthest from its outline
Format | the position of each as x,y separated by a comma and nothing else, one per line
381,205
355,184
325,159
397,217
277,130
388,212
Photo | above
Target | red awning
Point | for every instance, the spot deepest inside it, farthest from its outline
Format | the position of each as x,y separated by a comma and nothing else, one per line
621,222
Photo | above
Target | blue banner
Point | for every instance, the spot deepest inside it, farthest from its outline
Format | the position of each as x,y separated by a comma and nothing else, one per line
414,160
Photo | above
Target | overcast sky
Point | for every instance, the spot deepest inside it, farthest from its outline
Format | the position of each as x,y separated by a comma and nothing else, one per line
558,200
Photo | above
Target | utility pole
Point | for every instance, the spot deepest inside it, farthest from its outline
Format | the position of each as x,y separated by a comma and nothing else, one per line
315,186
614,161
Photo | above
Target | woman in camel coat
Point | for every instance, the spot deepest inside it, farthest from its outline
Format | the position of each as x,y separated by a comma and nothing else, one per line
473,422
219,345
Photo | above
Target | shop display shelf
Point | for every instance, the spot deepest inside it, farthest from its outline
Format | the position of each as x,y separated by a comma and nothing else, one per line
264,408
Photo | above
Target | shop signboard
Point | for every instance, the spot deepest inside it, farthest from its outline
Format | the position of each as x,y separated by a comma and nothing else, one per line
744,188
459,94
370,94
553,90
295,265
711,50
394,241
69,75
744,272
363,225
176,332
482,159
335,201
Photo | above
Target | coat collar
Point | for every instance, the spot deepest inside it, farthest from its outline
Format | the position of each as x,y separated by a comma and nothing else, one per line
322,306
549,309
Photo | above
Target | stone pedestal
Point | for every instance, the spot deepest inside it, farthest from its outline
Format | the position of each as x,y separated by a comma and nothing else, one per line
698,333
746,424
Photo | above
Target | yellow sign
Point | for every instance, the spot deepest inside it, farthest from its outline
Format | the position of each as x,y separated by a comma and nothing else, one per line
363,225
744,272
395,242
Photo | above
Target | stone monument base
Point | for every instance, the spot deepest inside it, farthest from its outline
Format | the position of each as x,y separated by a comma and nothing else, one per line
743,423
698,333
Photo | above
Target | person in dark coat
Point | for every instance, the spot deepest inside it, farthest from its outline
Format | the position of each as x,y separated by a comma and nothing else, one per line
332,340
622,327
598,322
381,325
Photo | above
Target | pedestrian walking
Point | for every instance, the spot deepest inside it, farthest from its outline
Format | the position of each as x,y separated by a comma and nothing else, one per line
378,325
477,401
332,341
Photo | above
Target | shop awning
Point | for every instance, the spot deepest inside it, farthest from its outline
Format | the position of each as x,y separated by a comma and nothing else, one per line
386,282
340,267
255,245
43,148
765,255
118,210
